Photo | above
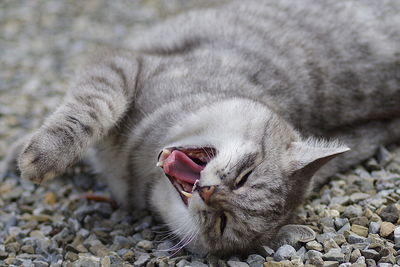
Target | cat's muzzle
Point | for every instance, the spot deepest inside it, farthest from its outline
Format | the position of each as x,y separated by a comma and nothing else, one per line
183,166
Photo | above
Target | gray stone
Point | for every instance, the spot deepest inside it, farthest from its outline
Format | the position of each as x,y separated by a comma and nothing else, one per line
145,244
374,227
267,251
355,255
255,260
340,239
183,263
314,245
315,261
327,221
367,184
353,211
145,223
388,259
340,200
361,260
329,244
237,264
199,264
370,254
345,228
362,172
325,236
390,214
83,232
331,264
106,262
357,197
284,253
312,254
87,261
122,242
340,222
370,262
383,156
362,220
301,253
83,211
334,254
3,254
142,260
71,256
372,165
38,263
397,235
353,239
104,209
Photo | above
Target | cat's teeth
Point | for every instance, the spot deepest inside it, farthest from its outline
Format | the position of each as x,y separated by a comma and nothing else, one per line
166,152
186,194
195,185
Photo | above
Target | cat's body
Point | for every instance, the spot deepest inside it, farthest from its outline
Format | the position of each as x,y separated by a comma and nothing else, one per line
237,79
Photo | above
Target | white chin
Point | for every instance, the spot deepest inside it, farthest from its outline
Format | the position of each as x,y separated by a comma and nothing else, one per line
168,203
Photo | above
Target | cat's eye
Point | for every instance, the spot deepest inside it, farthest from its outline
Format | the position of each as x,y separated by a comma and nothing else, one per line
243,179
222,223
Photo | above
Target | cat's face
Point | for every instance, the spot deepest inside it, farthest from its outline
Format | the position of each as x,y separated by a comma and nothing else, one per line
234,193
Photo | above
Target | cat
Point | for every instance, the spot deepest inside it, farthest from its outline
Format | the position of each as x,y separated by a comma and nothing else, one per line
220,119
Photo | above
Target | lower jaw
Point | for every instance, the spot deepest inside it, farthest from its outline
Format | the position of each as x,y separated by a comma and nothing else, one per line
185,199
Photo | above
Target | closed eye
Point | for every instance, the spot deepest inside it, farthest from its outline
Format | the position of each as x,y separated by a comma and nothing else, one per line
222,223
242,180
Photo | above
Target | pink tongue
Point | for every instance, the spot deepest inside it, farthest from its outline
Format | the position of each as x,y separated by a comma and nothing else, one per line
180,166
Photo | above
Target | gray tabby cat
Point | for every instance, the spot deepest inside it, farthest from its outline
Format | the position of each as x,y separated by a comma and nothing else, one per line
230,103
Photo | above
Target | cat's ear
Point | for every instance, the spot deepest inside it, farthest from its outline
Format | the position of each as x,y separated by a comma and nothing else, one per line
308,156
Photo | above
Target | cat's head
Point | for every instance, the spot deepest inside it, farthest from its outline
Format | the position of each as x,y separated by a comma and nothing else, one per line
235,174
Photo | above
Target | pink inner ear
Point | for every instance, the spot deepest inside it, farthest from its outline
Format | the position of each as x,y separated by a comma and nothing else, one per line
183,168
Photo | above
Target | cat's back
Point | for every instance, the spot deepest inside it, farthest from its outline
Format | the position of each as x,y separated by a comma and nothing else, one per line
307,55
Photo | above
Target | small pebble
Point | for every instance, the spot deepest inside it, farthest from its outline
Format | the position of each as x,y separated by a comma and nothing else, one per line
334,254
314,245
142,260
255,260
386,229
50,198
145,244
359,230
284,253
374,227
236,264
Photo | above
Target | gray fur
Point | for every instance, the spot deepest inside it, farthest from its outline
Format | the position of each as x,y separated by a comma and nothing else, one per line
258,80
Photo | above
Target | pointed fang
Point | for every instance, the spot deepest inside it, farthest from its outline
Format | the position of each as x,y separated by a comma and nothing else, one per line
166,152
186,194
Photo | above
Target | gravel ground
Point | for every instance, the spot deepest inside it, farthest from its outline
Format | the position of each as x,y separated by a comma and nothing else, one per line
356,216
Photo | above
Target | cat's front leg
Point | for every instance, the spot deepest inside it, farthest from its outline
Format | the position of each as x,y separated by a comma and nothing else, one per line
93,106
52,149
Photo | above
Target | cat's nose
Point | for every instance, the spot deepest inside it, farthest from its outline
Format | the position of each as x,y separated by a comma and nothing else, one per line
206,192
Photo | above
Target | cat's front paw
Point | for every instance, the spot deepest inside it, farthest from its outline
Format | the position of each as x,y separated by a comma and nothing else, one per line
42,158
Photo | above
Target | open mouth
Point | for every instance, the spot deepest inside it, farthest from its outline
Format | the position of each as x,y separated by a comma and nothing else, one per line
183,166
